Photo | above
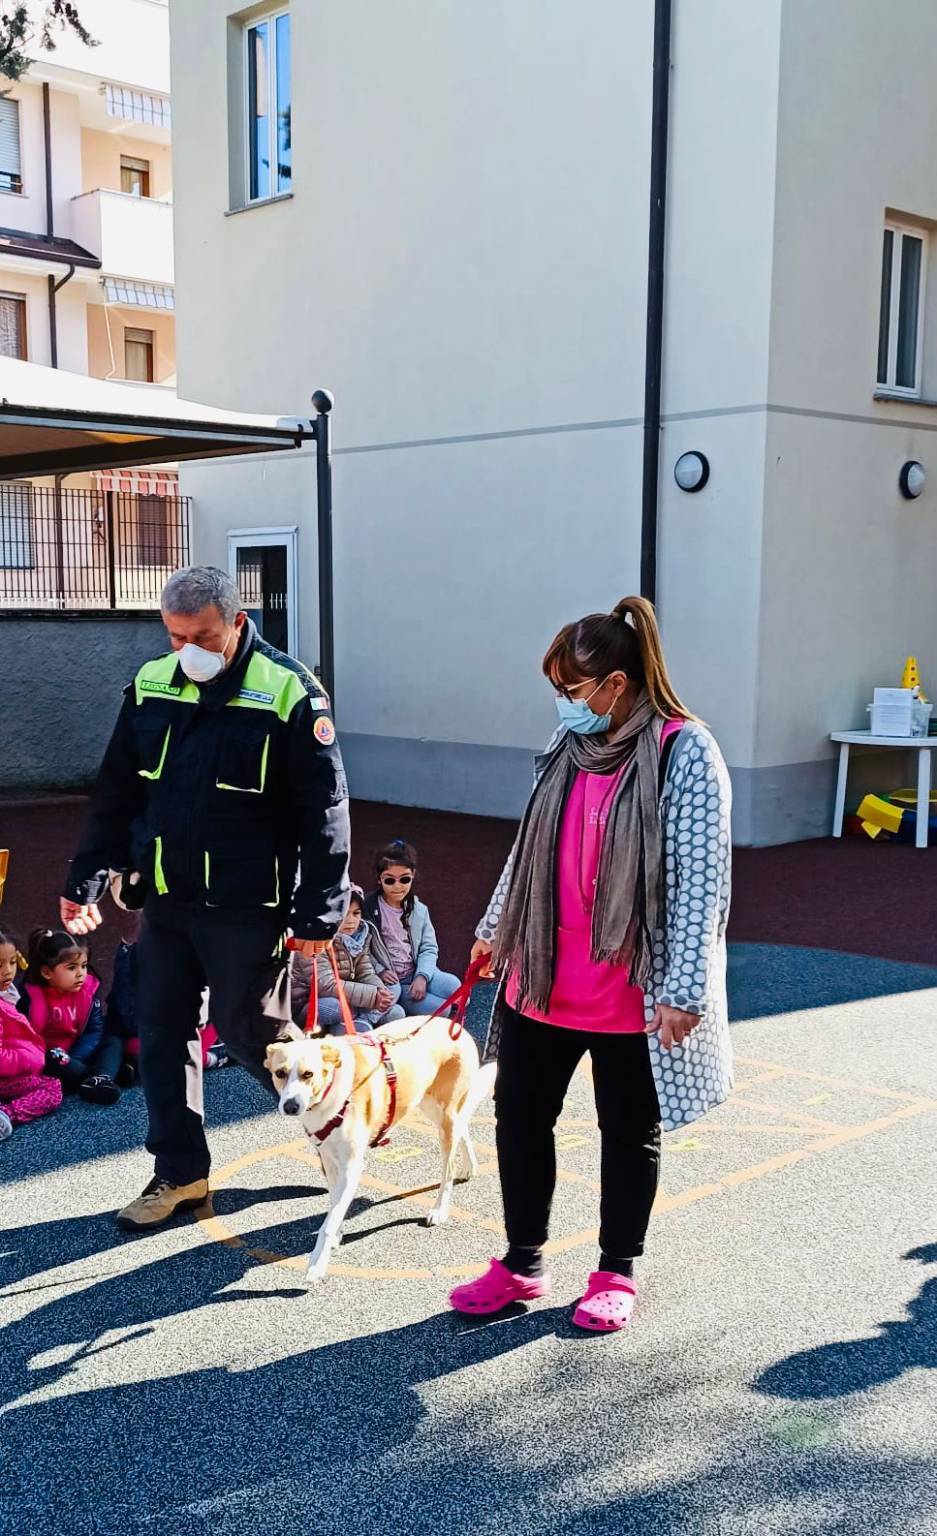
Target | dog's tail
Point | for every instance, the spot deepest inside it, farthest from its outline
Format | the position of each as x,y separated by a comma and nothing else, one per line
482,1084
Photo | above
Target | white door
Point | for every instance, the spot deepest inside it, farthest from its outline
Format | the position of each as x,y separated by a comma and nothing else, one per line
263,563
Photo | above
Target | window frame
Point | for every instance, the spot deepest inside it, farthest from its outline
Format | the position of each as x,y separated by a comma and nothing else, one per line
28,538
16,101
143,169
270,18
20,299
136,334
899,229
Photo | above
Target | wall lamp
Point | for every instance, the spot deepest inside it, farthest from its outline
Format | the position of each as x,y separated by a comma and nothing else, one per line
691,471
912,479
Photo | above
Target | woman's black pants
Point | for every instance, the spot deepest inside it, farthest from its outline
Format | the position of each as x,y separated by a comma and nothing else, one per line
535,1065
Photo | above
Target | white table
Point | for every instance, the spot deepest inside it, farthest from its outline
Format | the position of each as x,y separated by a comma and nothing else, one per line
922,745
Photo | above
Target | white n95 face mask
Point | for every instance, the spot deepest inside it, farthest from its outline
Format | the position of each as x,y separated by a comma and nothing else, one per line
200,665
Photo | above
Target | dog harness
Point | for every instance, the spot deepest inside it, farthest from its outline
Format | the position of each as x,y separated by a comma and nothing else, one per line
391,1073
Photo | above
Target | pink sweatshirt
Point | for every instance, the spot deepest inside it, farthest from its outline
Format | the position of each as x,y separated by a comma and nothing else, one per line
586,995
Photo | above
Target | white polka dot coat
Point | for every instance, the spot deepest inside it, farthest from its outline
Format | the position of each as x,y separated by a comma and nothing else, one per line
689,952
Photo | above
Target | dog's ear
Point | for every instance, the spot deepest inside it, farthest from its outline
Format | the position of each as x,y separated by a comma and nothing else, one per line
331,1055
286,1033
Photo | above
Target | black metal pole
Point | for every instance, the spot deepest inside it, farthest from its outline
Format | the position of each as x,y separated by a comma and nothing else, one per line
322,402
110,525
653,358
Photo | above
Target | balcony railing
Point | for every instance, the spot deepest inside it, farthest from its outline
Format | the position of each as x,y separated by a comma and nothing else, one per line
131,235
66,549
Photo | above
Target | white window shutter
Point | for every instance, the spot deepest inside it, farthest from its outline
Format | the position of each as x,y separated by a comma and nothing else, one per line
10,136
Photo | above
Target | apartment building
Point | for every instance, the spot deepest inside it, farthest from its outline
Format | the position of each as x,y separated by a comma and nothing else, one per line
86,284
440,212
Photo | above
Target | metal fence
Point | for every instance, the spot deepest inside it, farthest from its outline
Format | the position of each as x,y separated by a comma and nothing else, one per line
66,549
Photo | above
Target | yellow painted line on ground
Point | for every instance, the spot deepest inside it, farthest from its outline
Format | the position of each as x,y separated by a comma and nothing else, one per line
823,1136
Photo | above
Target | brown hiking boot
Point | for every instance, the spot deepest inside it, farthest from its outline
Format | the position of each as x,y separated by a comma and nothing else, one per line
159,1202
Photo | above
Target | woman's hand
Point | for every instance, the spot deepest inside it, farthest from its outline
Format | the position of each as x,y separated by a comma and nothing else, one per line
481,949
672,1024
418,989
383,999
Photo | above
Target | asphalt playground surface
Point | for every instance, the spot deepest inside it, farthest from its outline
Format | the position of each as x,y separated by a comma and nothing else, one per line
779,1375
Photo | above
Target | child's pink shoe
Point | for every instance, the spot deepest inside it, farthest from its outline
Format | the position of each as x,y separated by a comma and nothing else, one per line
496,1289
608,1303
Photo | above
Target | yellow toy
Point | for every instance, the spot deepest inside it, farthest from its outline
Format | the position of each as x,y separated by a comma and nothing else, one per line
4,866
877,815
911,678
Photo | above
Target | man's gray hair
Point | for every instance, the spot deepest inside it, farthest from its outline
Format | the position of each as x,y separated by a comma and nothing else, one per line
201,586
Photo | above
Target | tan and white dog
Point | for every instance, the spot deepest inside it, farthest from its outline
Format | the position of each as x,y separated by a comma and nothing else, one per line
339,1087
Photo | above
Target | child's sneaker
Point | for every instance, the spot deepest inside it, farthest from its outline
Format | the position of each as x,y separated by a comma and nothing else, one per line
216,1057
6,1126
128,1076
99,1089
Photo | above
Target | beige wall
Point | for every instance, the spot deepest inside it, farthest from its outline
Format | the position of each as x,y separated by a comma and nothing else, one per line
99,363
70,312
100,161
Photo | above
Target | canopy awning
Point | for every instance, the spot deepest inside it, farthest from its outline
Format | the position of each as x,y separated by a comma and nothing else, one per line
58,423
143,482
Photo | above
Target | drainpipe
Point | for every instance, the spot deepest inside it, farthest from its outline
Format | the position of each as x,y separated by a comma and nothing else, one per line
53,286
653,357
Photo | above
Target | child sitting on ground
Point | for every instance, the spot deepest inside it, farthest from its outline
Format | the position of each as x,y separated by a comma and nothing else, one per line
403,922
366,972
61,999
122,1018
26,1092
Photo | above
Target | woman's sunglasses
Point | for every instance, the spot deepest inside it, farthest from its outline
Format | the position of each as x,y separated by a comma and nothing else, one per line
396,879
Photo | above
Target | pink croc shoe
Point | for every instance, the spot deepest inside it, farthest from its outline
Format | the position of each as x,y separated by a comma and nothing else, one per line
608,1303
496,1289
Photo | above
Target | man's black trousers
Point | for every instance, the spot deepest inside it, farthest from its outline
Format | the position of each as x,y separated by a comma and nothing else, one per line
182,948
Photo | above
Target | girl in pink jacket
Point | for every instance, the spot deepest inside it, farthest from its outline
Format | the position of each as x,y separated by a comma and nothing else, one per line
26,1092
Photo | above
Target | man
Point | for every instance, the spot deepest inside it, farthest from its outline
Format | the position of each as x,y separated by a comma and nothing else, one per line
222,780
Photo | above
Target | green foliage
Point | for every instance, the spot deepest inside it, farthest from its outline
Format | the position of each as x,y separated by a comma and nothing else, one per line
18,32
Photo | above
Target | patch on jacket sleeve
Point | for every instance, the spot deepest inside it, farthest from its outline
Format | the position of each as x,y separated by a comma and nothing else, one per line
324,731
318,703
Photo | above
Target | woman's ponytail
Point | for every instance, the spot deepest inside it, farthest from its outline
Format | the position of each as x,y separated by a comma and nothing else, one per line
638,613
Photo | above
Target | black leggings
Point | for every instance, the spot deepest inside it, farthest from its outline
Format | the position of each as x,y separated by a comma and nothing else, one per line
535,1065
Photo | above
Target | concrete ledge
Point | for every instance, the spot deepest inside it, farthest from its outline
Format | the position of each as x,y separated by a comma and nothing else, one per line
438,775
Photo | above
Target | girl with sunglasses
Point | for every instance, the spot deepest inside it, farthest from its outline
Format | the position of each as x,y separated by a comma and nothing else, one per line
407,931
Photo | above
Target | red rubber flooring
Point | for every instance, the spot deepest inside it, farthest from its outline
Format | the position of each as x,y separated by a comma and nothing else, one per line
853,895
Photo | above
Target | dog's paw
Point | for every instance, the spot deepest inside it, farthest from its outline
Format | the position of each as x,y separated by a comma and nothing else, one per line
435,1217
315,1273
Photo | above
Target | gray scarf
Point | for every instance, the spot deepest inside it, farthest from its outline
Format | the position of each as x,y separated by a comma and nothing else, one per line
629,898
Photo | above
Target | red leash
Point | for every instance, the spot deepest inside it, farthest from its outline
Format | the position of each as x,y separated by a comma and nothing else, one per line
460,997
312,1012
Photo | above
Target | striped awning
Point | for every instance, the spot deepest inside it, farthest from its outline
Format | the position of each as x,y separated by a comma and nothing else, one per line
138,482
123,290
137,106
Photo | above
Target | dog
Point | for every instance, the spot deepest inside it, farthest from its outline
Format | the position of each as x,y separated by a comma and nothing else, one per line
340,1088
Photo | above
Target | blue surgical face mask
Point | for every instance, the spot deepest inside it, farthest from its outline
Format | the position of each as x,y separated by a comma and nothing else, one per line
576,715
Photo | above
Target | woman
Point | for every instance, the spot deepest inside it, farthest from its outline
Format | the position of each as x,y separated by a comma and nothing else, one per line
607,934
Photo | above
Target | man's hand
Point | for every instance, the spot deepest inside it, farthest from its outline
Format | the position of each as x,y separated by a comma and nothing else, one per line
312,947
383,1000
418,989
673,1025
480,950
78,919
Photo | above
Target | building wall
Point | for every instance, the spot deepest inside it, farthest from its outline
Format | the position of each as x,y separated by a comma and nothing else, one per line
100,161
99,359
848,580
475,297
133,46
37,657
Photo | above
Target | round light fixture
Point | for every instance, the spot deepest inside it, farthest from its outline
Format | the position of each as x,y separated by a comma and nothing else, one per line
691,471
912,479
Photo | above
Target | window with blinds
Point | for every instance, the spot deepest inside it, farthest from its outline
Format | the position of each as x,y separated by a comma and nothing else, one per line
11,178
138,354
16,526
12,325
